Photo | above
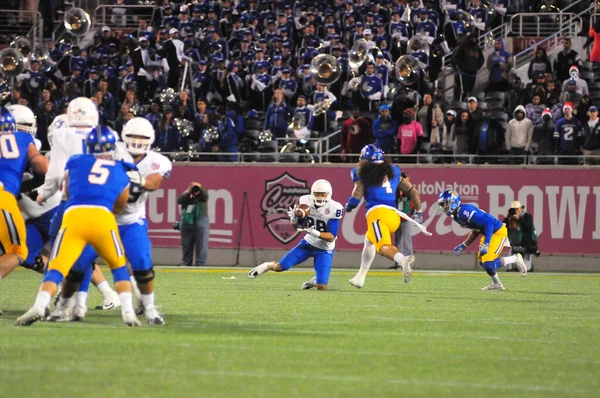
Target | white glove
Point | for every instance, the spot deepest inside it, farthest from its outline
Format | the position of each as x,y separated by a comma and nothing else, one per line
292,214
311,231
136,178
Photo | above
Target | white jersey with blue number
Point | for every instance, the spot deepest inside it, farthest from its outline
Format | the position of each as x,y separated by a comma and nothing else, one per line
66,142
152,163
319,217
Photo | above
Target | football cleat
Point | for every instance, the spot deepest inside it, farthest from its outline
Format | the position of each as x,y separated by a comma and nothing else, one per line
30,317
407,264
154,317
310,284
494,286
79,313
357,281
111,302
258,271
521,266
60,314
130,319
139,309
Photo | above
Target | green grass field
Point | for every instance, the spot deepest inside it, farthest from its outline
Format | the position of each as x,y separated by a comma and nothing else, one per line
436,336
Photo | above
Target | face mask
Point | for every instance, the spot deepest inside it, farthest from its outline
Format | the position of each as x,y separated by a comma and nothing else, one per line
407,119
546,118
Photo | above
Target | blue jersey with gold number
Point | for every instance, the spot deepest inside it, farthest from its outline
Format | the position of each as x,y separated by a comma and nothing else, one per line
13,160
95,182
382,195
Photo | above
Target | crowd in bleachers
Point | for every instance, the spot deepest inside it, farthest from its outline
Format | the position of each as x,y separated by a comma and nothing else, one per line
248,70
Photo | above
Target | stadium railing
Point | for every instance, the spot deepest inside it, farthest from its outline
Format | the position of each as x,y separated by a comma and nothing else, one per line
424,159
125,17
21,23
544,24
553,41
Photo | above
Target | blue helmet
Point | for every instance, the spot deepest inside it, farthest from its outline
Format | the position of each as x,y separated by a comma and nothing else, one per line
448,201
7,121
371,153
100,141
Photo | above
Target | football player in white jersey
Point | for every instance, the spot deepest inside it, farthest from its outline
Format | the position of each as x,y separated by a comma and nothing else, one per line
321,226
152,168
66,141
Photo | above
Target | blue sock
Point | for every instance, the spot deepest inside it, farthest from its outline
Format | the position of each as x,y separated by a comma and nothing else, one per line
84,286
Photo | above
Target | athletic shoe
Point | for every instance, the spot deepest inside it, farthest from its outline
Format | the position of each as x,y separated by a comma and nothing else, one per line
407,264
154,317
357,281
258,271
395,266
521,266
111,302
33,315
60,314
494,286
130,319
79,312
310,284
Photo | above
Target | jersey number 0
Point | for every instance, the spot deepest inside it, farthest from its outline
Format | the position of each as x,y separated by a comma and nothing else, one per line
8,147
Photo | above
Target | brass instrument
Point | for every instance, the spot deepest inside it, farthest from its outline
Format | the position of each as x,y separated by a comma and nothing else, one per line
23,44
12,62
321,107
359,54
407,70
77,22
325,69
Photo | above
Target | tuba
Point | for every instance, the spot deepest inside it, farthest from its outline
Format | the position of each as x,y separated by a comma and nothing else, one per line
407,70
325,69
418,42
23,44
359,54
77,22
12,62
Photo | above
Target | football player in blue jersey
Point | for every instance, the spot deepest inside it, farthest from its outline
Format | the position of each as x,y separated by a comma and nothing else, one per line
97,187
495,236
17,150
376,180
321,223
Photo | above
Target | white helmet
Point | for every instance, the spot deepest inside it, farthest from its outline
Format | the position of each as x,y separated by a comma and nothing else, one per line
82,112
138,136
59,122
24,118
321,186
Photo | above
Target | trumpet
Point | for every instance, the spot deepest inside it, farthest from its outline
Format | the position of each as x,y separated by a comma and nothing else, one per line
12,62
325,69
321,107
77,21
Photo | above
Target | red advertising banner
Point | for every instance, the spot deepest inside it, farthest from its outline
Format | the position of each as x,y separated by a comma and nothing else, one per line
564,203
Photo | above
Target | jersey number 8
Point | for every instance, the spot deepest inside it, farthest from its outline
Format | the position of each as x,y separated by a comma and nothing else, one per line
8,147
99,173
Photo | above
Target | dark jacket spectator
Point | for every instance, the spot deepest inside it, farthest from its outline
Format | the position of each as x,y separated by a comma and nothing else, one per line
514,97
542,140
468,59
43,119
539,64
564,60
384,130
591,137
356,133
461,133
167,138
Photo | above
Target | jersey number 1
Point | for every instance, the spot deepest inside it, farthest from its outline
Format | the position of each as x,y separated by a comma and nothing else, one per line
100,172
8,147
388,187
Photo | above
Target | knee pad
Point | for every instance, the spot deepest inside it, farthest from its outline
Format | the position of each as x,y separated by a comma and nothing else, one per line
144,277
75,277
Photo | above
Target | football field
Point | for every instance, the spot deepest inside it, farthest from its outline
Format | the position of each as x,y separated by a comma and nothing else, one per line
228,336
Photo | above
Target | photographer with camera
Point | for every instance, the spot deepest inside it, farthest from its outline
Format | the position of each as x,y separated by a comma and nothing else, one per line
194,224
521,234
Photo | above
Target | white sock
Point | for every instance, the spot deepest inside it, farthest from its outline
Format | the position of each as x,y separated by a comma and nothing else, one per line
495,279
81,299
0,277
134,288
148,300
366,258
104,289
510,259
42,300
398,257
126,302
264,267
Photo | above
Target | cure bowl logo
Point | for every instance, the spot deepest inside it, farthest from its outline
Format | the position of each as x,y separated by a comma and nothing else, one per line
280,194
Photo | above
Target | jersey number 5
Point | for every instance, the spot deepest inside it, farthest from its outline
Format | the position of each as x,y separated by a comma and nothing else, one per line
99,173
8,147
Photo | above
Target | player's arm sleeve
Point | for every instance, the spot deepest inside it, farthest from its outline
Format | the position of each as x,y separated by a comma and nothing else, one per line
333,225
54,176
